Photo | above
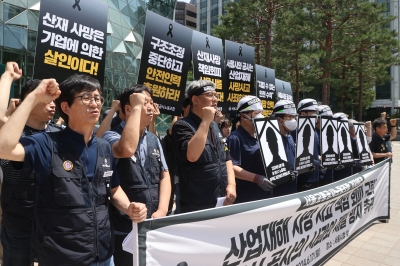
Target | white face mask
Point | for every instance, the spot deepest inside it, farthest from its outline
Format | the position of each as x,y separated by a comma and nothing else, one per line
290,124
259,115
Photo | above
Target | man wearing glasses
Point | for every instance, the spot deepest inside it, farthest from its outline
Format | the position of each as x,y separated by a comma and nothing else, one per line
204,166
75,174
141,166
18,185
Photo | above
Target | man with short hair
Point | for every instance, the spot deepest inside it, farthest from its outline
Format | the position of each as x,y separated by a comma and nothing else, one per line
285,111
378,144
309,180
141,166
18,188
75,173
204,167
325,175
342,171
251,181
170,158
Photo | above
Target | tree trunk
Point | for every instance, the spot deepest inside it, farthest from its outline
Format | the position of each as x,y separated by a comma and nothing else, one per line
360,95
268,35
297,77
325,87
258,51
326,71
342,87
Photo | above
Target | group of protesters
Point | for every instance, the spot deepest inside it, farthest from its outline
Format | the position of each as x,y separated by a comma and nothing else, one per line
70,192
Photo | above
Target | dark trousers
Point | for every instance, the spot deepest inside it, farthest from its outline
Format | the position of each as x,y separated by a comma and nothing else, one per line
177,200
325,181
306,186
191,208
121,257
16,247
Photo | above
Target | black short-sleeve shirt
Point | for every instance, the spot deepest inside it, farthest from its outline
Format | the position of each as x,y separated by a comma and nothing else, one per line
182,134
378,145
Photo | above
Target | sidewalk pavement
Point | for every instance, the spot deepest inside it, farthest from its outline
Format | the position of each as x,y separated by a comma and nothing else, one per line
380,243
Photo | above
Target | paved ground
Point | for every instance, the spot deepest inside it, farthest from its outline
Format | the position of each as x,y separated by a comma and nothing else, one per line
380,243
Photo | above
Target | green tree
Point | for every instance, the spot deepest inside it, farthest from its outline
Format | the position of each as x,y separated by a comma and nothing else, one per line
251,22
292,53
377,50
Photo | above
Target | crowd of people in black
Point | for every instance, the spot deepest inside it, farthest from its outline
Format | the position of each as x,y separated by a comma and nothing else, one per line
70,190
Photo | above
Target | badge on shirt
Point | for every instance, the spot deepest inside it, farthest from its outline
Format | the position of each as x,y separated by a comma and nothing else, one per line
108,173
105,163
68,165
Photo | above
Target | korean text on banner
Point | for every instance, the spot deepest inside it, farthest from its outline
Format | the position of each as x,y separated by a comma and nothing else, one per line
306,228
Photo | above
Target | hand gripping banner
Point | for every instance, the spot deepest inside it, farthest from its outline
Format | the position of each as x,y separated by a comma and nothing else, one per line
306,228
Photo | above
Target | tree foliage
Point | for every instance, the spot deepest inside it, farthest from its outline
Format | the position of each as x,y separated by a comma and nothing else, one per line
335,50
250,22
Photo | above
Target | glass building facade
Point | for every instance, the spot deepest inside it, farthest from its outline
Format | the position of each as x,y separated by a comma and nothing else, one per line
208,12
384,91
125,31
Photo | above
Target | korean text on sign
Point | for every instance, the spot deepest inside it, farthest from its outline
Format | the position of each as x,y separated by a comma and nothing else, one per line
71,62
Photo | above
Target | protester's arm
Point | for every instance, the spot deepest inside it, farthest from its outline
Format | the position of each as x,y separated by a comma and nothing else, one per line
136,211
106,123
368,127
393,131
174,119
165,194
196,145
10,148
165,186
236,155
152,126
243,174
11,73
14,103
231,186
381,155
218,117
127,145
372,157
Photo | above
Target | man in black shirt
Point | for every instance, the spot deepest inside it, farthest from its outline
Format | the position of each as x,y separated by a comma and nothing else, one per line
380,139
204,168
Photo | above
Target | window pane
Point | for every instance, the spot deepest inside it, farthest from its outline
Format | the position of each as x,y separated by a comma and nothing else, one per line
15,37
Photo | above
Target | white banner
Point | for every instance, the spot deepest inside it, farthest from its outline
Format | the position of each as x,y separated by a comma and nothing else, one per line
302,229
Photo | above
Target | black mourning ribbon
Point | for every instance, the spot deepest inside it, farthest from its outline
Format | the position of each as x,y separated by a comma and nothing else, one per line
207,44
77,5
170,30
283,86
240,51
266,74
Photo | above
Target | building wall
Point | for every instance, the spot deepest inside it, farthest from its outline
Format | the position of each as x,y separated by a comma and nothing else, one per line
186,14
208,12
387,96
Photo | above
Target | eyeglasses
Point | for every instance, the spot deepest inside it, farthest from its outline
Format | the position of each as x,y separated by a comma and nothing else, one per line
289,117
211,95
87,100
